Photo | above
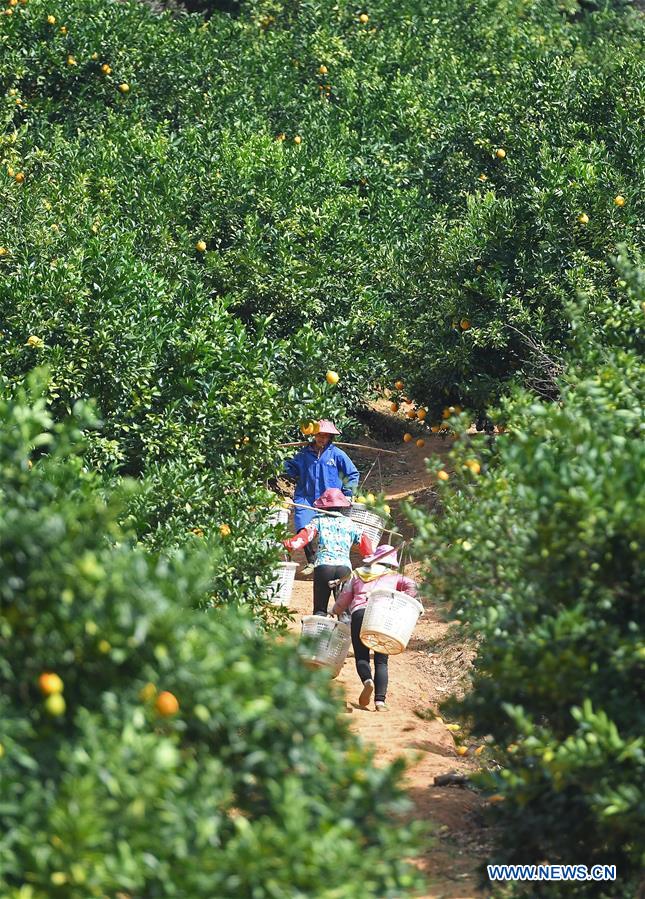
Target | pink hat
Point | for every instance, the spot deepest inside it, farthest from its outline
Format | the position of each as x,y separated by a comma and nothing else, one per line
332,498
327,427
385,554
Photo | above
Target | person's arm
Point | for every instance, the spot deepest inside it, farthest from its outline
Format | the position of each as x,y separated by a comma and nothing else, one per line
406,585
344,598
348,472
292,467
365,546
302,538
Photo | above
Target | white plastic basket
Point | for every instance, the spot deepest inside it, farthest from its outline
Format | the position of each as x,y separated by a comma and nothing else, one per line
324,643
278,516
280,591
373,525
390,617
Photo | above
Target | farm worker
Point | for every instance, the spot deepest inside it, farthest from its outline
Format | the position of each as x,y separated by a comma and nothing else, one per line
315,468
378,572
336,536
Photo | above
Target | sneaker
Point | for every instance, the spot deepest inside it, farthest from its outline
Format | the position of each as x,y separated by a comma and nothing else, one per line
380,706
366,693
307,570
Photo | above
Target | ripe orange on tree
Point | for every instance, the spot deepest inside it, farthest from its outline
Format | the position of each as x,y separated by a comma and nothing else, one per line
583,218
332,378
200,246
619,201
124,88
363,18
443,475
50,683
20,177
225,530
464,324
167,704
421,414
421,442
407,438
500,152
394,407
398,385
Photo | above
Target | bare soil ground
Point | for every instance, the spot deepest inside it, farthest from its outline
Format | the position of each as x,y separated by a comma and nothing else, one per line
434,666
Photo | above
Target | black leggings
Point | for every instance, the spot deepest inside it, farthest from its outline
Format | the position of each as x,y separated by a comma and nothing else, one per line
362,657
323,574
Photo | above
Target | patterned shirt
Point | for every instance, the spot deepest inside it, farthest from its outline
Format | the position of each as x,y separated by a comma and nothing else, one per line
336,536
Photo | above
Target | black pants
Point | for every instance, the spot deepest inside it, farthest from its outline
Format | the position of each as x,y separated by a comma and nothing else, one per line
310,554
362,657
323,574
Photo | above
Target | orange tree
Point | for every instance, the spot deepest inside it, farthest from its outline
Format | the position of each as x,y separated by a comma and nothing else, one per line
428,188
148,749
540,551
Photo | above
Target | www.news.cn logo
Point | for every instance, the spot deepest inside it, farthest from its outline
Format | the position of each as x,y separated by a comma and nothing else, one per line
551,872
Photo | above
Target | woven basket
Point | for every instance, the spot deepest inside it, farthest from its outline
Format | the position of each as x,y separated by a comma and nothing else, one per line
324,643
279,593
390,617
373,525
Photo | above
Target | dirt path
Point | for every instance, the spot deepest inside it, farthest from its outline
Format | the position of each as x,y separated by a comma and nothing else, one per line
420,679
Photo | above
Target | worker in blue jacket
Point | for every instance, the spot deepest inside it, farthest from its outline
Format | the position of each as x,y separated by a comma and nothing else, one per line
315,468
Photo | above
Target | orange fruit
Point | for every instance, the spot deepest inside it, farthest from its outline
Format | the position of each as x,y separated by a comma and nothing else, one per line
224,530
19,176
583,218
200,246
71,61
51,20
297,139
461,750
394,407
464,324
500,153
496,797
421,414
55,705
281,136
619,201
106,69
435,428
443,475
50,683
411,413
3,251
421,442
363,18
332,378
308,429
323,70
479,750
473,465
124,88
104,646
398,385
167,704
407,438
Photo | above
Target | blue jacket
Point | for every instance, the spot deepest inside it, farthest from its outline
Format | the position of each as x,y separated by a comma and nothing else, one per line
314,473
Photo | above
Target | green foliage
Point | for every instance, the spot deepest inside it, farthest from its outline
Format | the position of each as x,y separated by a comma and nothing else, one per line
377,224
542,554
255,787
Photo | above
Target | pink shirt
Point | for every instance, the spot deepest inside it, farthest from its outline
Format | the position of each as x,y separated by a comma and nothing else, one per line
356,591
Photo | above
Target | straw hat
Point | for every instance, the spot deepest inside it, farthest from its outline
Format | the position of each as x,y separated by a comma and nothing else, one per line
332,498
327,427
385,554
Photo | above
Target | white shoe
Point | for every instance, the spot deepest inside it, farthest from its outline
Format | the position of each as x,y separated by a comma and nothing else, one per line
380,706
307,570
366,693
